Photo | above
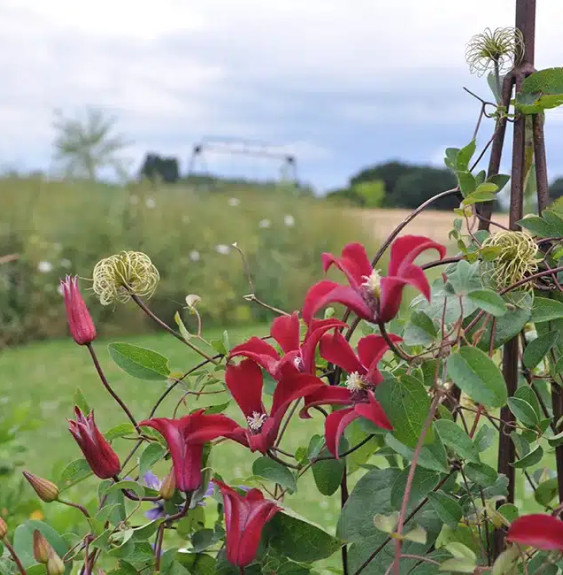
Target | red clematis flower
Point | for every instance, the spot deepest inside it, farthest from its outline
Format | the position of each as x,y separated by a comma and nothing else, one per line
298,357
185,438
245,517
370,296
537,530
363,377
99,454
79,321
245,383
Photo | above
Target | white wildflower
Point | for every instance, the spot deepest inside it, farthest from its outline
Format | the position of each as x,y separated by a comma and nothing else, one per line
150,203
223,249
194,256
289,220
45,267
234,202
264,224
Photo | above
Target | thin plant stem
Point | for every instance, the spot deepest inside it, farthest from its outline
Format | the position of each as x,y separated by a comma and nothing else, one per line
14,556
158,547
82,509
110,390
410,479
171,331
343,499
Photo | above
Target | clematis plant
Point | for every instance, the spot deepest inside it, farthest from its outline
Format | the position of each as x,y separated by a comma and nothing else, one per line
474,367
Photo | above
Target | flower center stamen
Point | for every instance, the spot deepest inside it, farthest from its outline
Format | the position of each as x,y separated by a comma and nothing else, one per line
256,420
355,382
372,283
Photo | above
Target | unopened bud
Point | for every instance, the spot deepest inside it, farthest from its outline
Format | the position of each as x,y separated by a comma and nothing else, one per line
168,486
55,565
3,529
41,547
45,489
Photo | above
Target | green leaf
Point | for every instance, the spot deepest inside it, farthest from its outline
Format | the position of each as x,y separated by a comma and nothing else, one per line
23,542
406,404
456,439
489,301
467,183
81,401
531,459
545,309
537,349
128,484
451,157
275,472
153,452
424,480
523,411
546,491
458,566
139,362
463,157
500,180
476,374
537,226
540,91
526,393
298,539
74,472
479,196
556,440
447,508
182,327
465,278
484,438
120,430
432,456
487,187
480,473
420,329
328,475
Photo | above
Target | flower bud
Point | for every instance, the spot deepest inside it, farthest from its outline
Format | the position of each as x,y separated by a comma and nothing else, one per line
45,489
168,486
80,322
3,529
41,547
55,565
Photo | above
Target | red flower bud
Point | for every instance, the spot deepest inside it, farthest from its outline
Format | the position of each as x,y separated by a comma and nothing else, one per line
98,452
41,547
79,321
45,489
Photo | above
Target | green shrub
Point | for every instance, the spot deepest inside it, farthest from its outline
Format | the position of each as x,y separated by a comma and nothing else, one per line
63,227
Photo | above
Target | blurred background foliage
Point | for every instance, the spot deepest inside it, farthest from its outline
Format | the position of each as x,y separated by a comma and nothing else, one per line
57,228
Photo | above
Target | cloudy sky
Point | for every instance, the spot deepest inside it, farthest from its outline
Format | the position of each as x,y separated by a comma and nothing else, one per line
341,83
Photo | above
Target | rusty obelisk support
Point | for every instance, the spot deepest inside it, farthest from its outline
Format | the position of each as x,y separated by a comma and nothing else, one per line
525,22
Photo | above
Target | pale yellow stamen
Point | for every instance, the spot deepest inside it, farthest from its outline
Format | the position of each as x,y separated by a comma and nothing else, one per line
256,420
373,282
355,382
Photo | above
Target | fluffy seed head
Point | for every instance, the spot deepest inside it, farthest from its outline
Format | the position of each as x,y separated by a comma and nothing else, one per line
502,48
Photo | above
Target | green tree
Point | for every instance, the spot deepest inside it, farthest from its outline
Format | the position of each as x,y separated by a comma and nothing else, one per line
420,184
556,189
85,145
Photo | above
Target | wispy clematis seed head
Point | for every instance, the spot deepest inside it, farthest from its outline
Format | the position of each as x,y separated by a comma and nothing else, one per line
128,273
502,48
516,258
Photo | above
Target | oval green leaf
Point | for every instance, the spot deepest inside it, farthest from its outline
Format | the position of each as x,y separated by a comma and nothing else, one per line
537,349
475,373
489,301
139,362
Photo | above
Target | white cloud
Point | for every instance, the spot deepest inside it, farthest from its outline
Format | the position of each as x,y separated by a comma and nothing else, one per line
303,75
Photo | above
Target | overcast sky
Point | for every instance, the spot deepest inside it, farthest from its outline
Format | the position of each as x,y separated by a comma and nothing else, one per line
341,83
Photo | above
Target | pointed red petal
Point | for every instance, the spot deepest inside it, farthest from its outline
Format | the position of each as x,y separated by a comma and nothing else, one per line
316,330
326,395
335,349
335,425
374,412
537,530
285,330
416,277
204,428
259,351
353,262
390,299
293,387
370,351
245,384
405,250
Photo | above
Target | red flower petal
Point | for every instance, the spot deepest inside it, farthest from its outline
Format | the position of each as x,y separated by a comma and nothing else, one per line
370,351
245,382
353,262
293,387
327,395
405,250
325,292
390,299
335,425
317,328
259,351
335,349
537,530
374,412
285,330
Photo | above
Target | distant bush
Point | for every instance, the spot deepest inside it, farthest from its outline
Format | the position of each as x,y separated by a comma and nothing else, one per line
62,227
